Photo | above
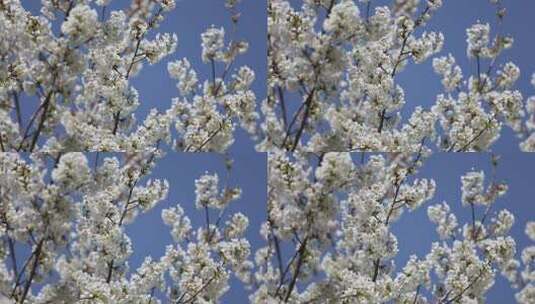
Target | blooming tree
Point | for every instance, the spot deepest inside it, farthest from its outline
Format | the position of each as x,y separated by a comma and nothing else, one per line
62,226
334,216
70,89
333,88
333,82
328,237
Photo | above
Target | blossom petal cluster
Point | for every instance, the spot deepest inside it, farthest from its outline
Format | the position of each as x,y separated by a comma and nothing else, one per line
335,213
72,219
335,74
346,158
76,82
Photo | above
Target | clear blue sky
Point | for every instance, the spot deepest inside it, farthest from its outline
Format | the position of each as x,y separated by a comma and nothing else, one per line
189,20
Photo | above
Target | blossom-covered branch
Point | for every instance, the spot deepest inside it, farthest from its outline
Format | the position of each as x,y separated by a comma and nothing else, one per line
334,70
329,240
64,240
70,89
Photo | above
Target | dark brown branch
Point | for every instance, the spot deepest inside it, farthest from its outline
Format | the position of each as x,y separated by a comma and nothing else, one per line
471,141
33,271
416,295
306,114
212,64
283,273
400,58
459,296
25,134
2,144
382,120
194,296
329,9
210,137
283,106
294,119
395,200
123,215
13,255
18,275
117,115
41,124
207,220
301,255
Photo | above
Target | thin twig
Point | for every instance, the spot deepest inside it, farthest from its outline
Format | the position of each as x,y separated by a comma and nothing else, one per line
306,114
33,271
41,121
301,253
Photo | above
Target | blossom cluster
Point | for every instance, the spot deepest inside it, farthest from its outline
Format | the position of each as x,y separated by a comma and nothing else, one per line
334,212
528,132
525,280
71,218
76,81
333,89
329,235
334,70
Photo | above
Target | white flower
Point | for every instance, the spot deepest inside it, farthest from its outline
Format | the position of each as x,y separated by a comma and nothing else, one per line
167,5
180,224
530,230
152,193
206,191
527,295
161,46
187,77
504,222
472,188
72,170
451,73
434,4
508,75
344,18
212,44
446,221
236,226
334,168
415,195
80,25
477,39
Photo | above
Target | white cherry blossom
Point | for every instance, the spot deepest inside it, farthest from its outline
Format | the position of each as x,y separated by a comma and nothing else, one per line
76,82
334,69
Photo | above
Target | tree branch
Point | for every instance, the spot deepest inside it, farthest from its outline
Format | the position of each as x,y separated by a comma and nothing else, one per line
301,254
33,271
